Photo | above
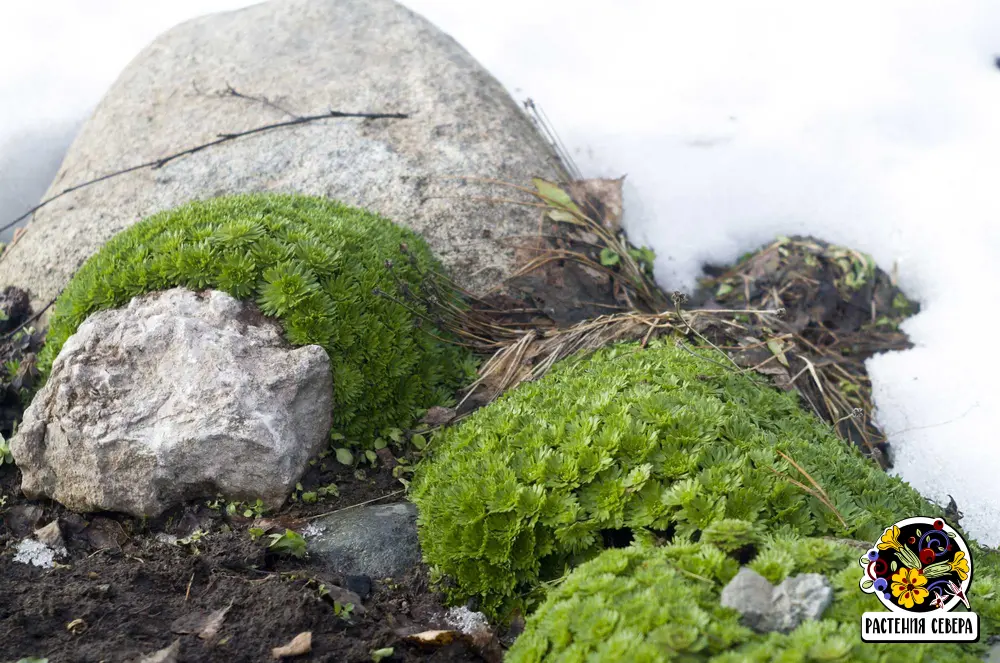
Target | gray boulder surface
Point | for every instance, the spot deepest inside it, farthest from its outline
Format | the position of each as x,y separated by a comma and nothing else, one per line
299,57
766,608
175,397
376,540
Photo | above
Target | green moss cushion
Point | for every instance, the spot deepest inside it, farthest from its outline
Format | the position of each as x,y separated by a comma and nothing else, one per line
633,444
653,605
312,263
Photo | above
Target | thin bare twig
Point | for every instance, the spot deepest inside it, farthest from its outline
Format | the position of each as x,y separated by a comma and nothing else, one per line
375,499
222,138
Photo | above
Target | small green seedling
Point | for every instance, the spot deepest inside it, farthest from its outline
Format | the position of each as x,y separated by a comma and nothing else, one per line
289,543
6,457
343,610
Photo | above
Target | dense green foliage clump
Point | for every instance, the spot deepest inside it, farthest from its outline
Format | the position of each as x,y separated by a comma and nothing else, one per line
653,605
312,263
633,444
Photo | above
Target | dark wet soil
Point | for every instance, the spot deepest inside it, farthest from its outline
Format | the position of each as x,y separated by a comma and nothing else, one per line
127,589
122,592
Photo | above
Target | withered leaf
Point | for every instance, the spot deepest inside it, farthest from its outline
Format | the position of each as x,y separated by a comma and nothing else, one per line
300,644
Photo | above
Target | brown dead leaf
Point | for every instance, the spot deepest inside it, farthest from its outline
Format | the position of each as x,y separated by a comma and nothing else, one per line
434,638
300,644
388,460
165,655
439,416
213,622
600,199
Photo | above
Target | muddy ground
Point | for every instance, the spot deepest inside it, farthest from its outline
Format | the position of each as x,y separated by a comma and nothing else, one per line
121,593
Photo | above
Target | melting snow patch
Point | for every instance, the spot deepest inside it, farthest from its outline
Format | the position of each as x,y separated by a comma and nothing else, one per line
466,621
36,553
311,530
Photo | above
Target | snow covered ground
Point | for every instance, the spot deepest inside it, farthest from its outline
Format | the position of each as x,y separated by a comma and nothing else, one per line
875,125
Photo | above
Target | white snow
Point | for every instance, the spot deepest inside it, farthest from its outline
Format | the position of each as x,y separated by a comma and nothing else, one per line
871,124
467,621
36,553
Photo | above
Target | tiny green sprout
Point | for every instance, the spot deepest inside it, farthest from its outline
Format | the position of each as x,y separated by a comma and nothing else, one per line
289,543
345,457
255,510
343,610
419,441
380,443
395,434
193,537
255,533
371,456
609,258
380,654
310,497
6,457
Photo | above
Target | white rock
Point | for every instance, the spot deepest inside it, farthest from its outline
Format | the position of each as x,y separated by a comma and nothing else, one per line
175,397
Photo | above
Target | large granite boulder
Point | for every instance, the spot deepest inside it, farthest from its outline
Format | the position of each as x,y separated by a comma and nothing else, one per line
305,57
175,397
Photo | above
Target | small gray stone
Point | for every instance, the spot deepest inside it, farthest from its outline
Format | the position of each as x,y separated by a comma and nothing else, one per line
800,598
51,535
379,540
359,583
766,608
749,593
173,398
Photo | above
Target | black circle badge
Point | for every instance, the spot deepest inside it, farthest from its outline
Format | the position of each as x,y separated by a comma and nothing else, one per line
918,565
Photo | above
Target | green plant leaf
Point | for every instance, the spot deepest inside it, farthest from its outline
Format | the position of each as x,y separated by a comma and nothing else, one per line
609,258
344,456
777,349
289,543
555,196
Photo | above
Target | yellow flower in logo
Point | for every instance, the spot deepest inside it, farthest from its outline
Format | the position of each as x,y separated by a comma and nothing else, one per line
890,539
960,565
908,587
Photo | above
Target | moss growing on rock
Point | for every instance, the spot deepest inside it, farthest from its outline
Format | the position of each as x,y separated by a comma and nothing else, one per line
653,605
633,444
312,263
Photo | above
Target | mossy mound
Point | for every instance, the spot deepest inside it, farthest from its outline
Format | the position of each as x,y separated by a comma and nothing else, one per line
313,264
653,605
632,444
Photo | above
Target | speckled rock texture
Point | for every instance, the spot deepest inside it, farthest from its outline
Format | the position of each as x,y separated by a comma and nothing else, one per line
178,396
305,57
